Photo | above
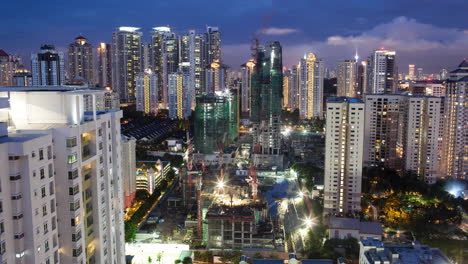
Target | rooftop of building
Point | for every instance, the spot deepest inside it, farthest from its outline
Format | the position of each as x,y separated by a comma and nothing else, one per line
63,88
355,224
343,99
221,211
20,137
304,261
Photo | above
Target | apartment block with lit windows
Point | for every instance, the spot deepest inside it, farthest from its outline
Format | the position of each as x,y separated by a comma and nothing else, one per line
83,147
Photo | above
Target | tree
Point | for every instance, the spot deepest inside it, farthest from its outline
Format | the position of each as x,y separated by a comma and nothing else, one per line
141,195
258,255
187,260
150,260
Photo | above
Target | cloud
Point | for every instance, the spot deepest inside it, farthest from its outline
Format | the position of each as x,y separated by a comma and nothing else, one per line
273,31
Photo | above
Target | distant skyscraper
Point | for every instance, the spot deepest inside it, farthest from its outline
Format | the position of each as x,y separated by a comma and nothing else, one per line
455,155
179,85
146,56
363,75
8,66
213,42
343,155
420,74
411,71
128,170
48,67
383,74
22,77
294,88
126,61
311,87
104,65
81,60
266,97
215,77
197,59
443,74
286,82
247,70
147,92
347,78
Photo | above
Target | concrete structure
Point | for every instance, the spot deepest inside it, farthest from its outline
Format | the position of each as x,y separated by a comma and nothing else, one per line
126,61
213,44
311,73
215,77
22,77
81,61
8,67
180,101
150,174
383,74
343,228
347,78
455,144
344,145
411,68
79,154
293,96
429,88
375,251
111,101
147,92
363,78
128,170
104,65
48,67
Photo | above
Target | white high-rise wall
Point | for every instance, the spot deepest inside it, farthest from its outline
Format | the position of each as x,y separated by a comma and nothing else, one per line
344,145
347,78
147,92
382,72
311,74
85,156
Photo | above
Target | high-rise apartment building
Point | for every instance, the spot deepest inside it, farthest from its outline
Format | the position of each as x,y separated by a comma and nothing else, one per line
104,65
363,75
266,98
294,88
8,67
411,68
179,95
81,61
64,189
48,67
286,82
213,42
344,144
147,92
197,59
347,78
128,170
126,61
216,74
455,145
383,75
247,70
311,73
22,77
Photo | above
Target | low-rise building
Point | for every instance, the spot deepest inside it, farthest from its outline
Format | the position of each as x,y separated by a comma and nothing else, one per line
343,228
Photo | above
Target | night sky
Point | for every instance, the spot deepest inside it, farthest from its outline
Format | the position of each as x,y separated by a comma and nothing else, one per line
430,33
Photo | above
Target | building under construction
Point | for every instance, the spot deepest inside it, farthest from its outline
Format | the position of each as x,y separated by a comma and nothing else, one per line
267,93
216,121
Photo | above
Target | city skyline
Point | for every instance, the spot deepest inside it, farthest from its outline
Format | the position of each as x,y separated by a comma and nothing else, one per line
367,26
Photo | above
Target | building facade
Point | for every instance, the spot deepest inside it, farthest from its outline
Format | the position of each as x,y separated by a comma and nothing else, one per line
126,61
104,65
76,201
128,170
247,70
81,61
344,145
48,67
179,95
347,78
147,92
311,73
383,75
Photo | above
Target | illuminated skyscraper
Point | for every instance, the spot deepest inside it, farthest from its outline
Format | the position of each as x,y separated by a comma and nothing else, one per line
247,70
294,88
147,92
179,85
455,144
286,82
48,67
311,73
215,78
343,155
347,78
266,98
22,77
363,75
104,65
126,61
383,74
411,71
81,61
213,42
8,66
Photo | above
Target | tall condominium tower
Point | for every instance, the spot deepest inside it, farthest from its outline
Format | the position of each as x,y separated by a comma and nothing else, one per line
266,97
286,82
104,65
197,59
311,72
411,71
81,60
294,88
347,78
126,61
128,170
22,77
455,155
179,94
213,42
8,66
363,75
383,74
216,121
343,155
61,177
247,70
47,67
147,92
216,74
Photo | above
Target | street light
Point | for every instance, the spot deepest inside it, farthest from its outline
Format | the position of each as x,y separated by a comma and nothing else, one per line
309,222
220,184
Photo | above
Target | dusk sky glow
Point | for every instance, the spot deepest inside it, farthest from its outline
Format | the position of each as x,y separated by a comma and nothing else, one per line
332,29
